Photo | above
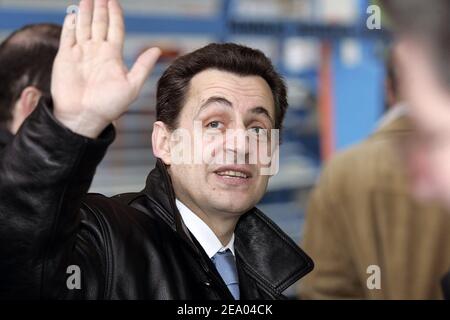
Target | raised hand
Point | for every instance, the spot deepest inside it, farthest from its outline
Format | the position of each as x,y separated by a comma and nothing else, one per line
91,86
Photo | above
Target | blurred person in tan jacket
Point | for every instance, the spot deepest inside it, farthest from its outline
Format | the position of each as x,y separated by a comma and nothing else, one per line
368,236
422,34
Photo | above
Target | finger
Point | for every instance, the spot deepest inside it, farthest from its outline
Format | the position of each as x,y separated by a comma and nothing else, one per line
100,20
84,21
68,39
116,31
142,67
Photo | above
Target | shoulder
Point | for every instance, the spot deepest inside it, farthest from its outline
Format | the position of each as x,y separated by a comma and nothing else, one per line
374,161
121,217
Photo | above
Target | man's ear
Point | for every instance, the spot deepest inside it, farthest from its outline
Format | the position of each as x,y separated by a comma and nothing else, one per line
24,106
161,142
28,100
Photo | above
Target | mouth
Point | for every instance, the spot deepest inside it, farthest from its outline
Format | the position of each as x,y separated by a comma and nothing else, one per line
234,175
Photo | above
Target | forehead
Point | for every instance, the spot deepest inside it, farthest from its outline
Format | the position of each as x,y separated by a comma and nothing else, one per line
245,91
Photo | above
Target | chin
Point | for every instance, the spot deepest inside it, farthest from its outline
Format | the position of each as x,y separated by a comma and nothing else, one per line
233,205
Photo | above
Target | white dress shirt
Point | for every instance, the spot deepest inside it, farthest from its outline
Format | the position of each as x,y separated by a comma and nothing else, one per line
202,232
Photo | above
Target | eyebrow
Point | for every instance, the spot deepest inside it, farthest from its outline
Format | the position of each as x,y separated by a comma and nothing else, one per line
263,111
227,103
214,99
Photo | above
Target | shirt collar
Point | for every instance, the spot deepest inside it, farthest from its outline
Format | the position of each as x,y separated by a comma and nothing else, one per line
396,111
202,232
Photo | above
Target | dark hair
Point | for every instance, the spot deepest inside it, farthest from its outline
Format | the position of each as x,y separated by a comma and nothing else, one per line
230,57
26,59
427,20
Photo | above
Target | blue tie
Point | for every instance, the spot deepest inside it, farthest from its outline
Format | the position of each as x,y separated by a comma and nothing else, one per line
225,264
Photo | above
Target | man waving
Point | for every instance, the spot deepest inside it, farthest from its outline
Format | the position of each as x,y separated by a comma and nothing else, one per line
194,231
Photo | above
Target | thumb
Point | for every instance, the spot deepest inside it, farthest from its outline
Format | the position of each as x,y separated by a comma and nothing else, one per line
142,67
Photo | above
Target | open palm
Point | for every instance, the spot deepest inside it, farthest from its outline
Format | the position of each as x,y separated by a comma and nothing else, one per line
91,86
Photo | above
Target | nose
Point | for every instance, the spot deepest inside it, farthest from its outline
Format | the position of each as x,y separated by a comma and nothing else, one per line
237,144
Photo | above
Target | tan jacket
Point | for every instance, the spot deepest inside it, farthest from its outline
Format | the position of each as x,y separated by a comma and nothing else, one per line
361,214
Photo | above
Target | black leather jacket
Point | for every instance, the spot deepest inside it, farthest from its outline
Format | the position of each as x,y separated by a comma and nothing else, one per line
132,246
5,138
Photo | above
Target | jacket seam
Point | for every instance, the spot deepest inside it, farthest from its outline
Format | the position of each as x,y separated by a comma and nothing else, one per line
108,258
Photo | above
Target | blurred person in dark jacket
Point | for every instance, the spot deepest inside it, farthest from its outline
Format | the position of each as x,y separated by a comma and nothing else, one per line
422,30
363,222
26,60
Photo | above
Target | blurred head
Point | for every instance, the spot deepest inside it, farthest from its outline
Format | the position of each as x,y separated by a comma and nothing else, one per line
224,97
423,34
26,60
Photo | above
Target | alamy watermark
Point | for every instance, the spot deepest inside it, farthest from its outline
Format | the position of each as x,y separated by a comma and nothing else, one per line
258,147
374,280
373,22
73,281
73,9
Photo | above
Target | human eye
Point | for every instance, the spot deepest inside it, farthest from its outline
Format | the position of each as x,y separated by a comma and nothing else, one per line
257,130
215,125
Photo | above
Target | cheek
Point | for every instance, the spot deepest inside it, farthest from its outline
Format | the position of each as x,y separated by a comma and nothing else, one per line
189,174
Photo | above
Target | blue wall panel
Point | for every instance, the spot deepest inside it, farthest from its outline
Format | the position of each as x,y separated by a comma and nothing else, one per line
358,93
